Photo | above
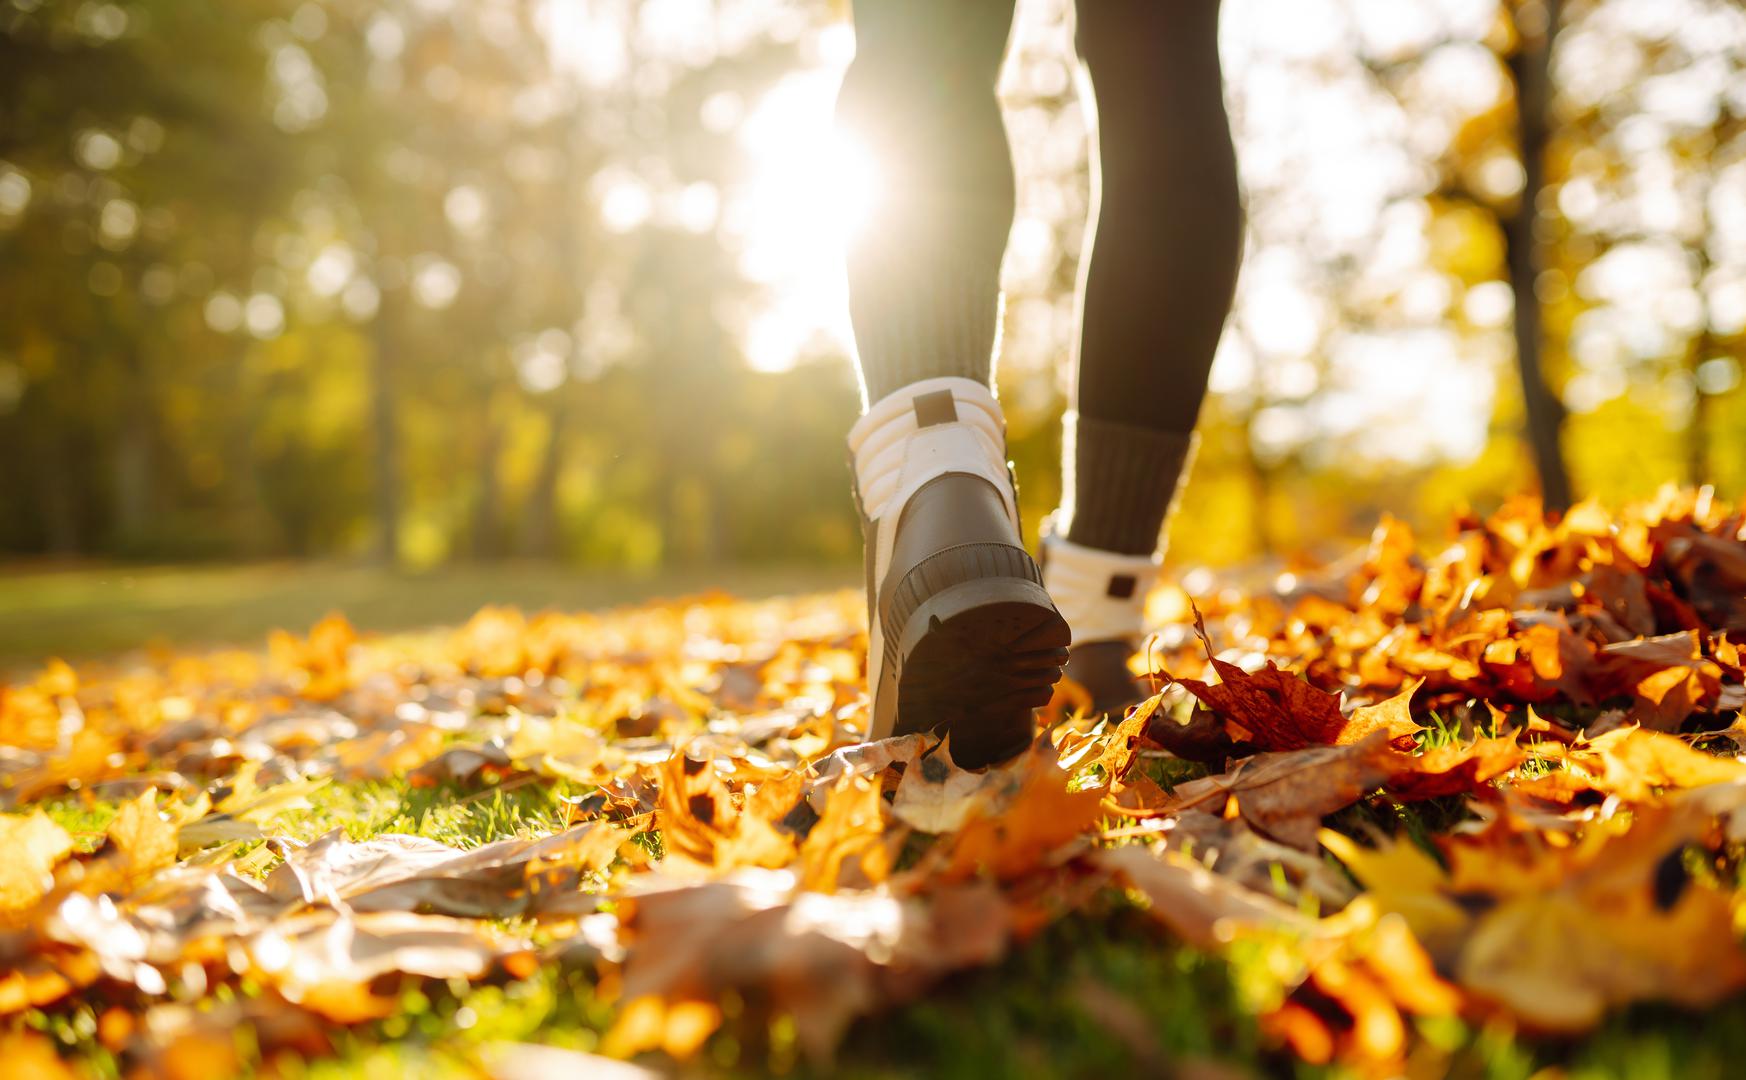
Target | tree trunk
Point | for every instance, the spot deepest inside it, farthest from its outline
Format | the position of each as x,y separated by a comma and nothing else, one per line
540,531
485,517
261,533
1697,435
135,471
54,482
1531,68
1261,481
387,442
133,465
1698,431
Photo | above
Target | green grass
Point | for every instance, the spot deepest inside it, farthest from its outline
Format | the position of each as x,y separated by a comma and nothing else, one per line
83,817
84,612
1102,992
449,815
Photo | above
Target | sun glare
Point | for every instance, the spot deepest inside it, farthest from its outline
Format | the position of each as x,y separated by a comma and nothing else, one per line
854,177
809,188
802,193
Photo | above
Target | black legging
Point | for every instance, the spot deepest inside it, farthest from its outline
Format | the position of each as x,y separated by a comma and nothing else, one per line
924,278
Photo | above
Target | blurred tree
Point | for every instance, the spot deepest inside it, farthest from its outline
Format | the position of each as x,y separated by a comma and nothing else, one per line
1649,287
1533,31
464,280
127,189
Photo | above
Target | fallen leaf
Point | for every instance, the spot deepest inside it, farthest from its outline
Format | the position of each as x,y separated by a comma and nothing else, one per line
1394,716
1284,795
1632,763
1272,708
847,846
34,846
1557,935
30,1056
1454,770
936,796
1025,831
1232,849
532,1061
1199,906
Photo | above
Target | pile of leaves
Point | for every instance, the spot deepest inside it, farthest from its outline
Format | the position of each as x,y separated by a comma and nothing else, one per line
1496,780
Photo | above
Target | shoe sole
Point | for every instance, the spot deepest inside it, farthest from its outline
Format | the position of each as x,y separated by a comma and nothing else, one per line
1101,668
974,660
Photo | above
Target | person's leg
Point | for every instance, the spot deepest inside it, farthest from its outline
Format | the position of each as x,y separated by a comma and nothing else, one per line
963,636
924,275
1159,265
1157,276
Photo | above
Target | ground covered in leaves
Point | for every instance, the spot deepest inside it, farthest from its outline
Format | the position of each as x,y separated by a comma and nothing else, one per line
1471,804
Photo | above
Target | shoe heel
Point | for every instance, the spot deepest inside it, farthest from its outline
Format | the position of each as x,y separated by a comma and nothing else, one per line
976,646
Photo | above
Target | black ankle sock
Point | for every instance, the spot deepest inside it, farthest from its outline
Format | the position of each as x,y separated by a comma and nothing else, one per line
1122,479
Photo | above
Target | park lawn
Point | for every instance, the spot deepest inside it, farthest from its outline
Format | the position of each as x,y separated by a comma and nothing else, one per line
990,923
88,611
1102,992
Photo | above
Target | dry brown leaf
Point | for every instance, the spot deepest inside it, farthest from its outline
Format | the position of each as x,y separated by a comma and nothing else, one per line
320,663
1230,848
390,753
1557,935
1205,909
1285,795
701,821
331,868
936,796
1271,708
325,960
777,891
507,878
1668,675
1109,747
1201,737
138,843
390,872
1632,763
44,977
1559,964
819,959
865,759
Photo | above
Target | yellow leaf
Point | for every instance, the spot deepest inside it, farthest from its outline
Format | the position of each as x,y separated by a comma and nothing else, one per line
29,1056
143,836
1394,716
33,846
850,833
1402,878
1632,762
